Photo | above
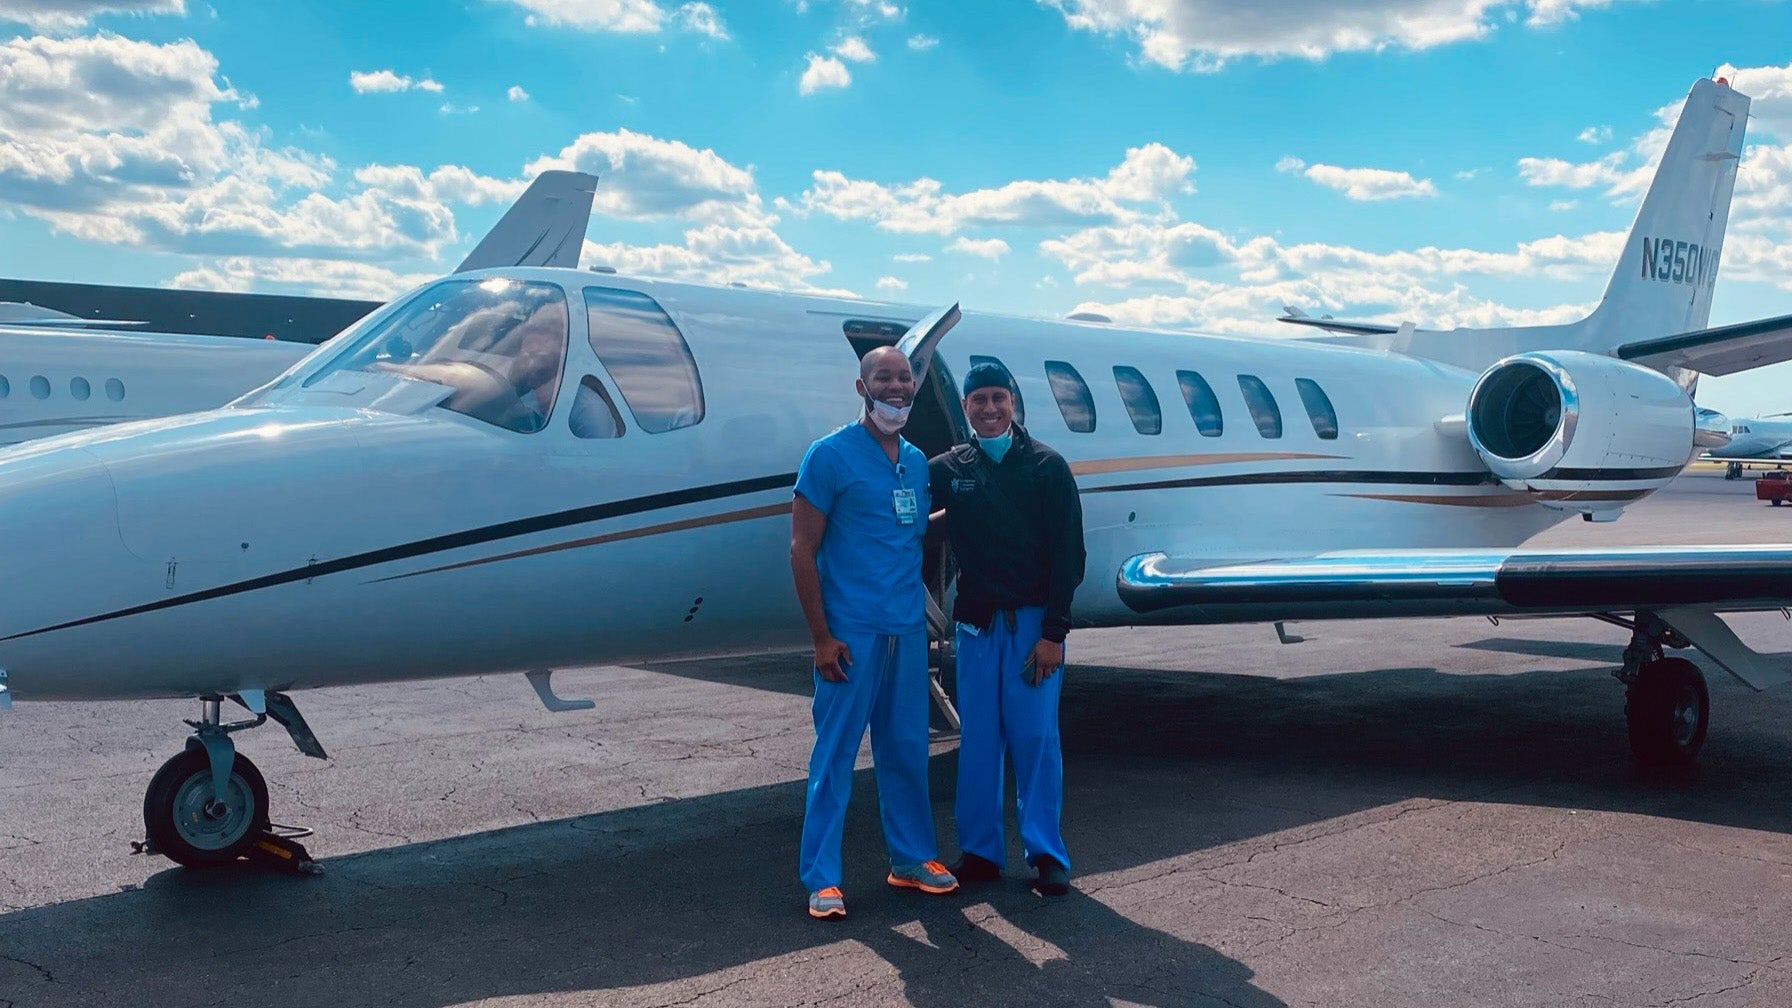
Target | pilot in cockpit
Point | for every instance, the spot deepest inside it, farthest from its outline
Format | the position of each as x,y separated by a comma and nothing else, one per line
540,348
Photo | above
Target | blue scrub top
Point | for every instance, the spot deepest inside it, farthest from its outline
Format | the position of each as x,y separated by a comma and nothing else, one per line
870,563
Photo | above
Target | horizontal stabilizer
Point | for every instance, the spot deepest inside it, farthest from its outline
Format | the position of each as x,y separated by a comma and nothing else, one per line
545,227
1338,325
1720,350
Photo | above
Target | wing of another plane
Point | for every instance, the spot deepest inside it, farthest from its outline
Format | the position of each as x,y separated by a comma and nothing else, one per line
1295,317
545,227
1720,350
1684,585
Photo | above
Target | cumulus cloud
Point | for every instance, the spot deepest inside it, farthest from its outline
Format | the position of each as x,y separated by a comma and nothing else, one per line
985,248
1141,184
628,17
300,276
753,255
1204,35
1595,135
911,257
517,94
891,283
1360,183
645,177
853,48
824,72
383,81
71,15
922,43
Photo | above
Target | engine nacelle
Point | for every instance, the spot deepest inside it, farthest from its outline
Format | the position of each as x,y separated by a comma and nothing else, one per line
1579,431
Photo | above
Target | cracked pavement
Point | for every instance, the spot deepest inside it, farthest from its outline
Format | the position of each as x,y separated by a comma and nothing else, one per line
1394,814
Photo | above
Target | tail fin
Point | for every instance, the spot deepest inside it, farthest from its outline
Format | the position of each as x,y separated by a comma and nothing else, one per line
1668,267
544,227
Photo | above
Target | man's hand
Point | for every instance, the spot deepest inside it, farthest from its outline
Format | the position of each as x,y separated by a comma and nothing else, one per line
832,657
1047,656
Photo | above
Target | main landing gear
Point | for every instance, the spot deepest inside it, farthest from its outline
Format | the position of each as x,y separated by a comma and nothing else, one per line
1666,705
209,805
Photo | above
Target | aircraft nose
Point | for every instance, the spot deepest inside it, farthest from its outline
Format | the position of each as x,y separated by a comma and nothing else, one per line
60,554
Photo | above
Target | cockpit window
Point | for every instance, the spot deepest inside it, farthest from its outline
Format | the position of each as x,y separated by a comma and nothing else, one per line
499,344
647,356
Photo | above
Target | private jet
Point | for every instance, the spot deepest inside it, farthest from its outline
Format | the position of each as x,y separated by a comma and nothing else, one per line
522,470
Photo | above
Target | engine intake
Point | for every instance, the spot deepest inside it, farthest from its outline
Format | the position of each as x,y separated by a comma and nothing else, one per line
1580,431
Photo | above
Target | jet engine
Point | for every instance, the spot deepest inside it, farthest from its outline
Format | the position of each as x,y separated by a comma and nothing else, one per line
1579,431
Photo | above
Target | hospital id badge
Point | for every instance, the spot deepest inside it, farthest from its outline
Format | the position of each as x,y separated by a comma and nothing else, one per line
904,502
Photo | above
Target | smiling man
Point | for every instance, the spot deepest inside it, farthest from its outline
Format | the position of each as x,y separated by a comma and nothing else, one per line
1016,526
855,552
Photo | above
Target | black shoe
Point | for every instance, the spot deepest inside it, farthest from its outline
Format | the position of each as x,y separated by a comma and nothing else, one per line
975,868
1054,878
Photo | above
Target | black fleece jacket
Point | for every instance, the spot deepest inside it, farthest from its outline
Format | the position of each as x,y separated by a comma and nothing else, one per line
1019,542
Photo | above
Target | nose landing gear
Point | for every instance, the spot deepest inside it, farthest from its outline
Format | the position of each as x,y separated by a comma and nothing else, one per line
209,804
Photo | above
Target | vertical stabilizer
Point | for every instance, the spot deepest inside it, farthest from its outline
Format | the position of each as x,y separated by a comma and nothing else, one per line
1669,262
545,227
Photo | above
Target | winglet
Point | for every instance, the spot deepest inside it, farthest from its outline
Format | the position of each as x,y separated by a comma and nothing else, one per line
544,227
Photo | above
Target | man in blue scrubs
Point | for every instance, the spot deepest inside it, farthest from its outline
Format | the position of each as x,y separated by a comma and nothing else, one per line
1016,528
855,552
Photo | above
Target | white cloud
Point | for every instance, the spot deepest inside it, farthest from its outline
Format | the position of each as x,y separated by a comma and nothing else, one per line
922,43
1595,135
1204,35
911,257
823,72
1144,181
623,16
450,108
300,276
645,177
1559,206
986,248
854,48
381,81
891,283
752,255
1360,183
702,19
876,10
517,94
69,15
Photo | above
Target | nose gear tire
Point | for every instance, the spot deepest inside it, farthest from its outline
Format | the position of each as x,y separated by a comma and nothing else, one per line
186,823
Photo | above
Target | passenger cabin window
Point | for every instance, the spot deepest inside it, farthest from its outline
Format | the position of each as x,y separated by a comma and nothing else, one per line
647,357
1262,405
1020,405
1203,405
499,345
1319,408
1140,400
5,387
594,415
1072,393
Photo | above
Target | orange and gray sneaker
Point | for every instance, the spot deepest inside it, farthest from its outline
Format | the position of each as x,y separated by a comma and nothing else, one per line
827,904
928,876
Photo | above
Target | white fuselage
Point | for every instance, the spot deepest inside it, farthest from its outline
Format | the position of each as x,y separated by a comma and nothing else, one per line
330,535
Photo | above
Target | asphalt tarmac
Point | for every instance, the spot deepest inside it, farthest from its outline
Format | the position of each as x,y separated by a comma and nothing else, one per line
1418,813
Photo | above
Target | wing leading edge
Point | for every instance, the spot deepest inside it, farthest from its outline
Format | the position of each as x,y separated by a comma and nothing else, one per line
1686,587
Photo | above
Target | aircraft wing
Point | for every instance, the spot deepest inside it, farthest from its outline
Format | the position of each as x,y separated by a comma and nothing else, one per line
545,227
1684,585
1720,350
1339,325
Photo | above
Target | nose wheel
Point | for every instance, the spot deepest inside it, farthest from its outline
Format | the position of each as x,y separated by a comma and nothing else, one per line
186,820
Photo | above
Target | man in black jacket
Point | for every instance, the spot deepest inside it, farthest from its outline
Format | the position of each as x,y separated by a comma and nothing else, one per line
1016,526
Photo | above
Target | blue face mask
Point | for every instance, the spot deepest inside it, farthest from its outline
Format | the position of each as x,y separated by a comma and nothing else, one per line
996,447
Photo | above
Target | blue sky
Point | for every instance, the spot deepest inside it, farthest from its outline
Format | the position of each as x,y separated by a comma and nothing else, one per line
1189,163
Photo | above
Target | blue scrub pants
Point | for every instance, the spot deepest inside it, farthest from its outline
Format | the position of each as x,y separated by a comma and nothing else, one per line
999,712
885,688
